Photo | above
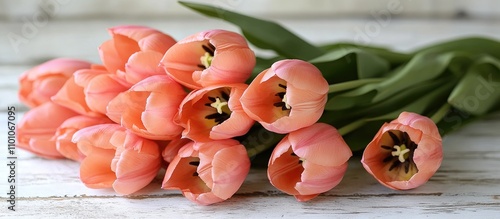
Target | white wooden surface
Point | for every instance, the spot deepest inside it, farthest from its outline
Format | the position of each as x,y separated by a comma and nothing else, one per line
466,185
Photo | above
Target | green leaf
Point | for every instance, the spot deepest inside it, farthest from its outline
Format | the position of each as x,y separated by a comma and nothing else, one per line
423,67
393,57
261,33
362,64
390,104
472,45
479,91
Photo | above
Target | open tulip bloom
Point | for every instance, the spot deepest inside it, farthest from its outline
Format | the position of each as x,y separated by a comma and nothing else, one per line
213,113
405,153
203,106
288,96
209,58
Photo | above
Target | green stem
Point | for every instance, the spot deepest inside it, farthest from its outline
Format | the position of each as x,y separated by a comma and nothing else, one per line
352,84
441,113
351,127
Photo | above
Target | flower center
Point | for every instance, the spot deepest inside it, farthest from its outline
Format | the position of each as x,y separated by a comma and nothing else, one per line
208,56
401,151
283,103
220,104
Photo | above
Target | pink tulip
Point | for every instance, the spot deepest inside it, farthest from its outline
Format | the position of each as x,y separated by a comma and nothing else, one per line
209,58
116,158
208,173
38,126
65,131
40,83
148,108
99,88
309,161
214,113
290,95
134,52
405,153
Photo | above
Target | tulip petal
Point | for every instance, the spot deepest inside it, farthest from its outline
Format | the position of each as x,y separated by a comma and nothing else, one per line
96,136
95,169
321,144
142,65
136,168
285,171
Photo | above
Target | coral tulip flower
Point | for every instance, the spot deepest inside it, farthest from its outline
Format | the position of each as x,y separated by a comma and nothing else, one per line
405,153
72,95
149,107
288,96
309,161
65,131
134,52
99,88
214,113
38,126
210,172
40,83
210,58
116,158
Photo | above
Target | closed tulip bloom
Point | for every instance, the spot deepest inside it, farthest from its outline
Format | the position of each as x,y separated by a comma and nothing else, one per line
309,161
65,131
213,113
134,52
149,107
405,153
72,95
116,158
39,84
286,97
37,127
208,173
210,58
99,88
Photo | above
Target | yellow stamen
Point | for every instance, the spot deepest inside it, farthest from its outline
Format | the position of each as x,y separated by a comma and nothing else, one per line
206,59
401,152
218,105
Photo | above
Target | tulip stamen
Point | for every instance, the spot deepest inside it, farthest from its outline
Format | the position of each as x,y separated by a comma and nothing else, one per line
218,105
208,56
401,153
222,108
283,103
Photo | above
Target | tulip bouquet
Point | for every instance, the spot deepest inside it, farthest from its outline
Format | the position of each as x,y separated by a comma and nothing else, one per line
205,107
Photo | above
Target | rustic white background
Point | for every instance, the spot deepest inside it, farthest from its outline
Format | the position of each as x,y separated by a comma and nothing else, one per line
467,185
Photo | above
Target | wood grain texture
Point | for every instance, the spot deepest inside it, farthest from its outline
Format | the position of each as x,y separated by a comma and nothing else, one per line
466,185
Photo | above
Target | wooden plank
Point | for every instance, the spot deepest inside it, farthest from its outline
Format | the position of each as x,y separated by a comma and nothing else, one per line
467,184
